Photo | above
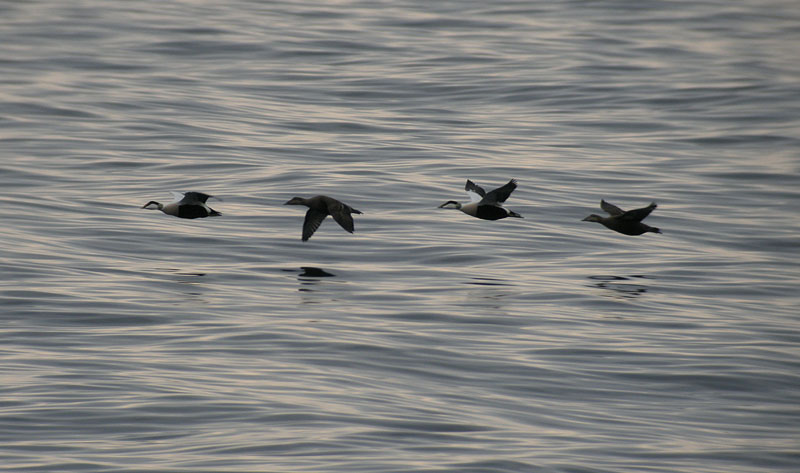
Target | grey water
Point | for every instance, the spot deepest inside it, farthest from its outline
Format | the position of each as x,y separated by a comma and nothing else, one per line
427,341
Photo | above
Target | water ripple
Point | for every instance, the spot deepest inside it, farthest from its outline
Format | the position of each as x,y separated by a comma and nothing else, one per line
427,340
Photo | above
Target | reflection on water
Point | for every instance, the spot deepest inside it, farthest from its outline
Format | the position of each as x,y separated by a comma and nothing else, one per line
488,292
188,278
618,287
309,276
312,272
189,282
487,282
185,345
185,277
488,296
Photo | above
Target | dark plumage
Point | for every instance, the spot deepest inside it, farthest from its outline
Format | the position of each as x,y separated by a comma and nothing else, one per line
186,205
485,205
628,223
320,207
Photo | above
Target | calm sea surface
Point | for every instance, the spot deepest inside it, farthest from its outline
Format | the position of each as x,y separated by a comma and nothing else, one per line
427,341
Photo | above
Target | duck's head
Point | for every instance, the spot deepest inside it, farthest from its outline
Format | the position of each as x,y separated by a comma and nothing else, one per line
450,204
296,201
593,218
153,205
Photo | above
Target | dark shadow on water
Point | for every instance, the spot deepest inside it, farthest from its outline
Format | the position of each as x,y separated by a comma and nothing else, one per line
620,286
312,272
490,294
488,282
310,276
188,276
192,283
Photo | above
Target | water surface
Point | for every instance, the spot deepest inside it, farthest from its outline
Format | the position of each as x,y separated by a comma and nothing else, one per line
428,340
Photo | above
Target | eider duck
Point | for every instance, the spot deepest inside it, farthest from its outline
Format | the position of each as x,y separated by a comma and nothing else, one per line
485,205
321,206
186,205
628,223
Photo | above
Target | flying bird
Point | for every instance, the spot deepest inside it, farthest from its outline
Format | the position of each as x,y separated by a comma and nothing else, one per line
186,205
321,206
628,223
485,205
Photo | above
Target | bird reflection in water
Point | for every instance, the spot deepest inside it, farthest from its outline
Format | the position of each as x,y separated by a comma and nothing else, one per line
310,276
312,272
491,294
619,285
488,282
189,283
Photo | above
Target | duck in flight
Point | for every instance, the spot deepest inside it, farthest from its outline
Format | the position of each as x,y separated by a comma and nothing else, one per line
321,206
485,205
628,223
186,205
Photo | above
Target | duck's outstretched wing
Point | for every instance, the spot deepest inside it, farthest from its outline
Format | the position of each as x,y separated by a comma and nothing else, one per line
612,209
637,215
197,196
191,197
500,194
474,191
312,221
344,219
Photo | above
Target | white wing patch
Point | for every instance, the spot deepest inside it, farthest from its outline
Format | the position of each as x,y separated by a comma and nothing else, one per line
474,196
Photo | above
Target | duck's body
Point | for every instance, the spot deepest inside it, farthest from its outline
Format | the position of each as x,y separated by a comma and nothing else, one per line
186,205
321,206
485,205
627,223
